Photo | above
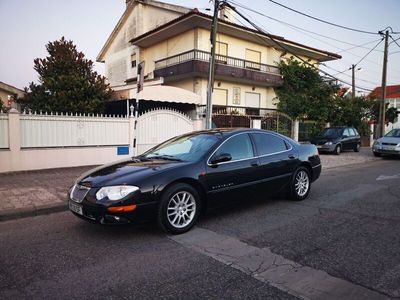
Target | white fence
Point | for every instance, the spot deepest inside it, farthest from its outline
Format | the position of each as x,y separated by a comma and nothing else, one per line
72,131
3,131
42,141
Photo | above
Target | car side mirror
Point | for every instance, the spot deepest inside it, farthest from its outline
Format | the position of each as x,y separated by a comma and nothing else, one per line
344,136
223,157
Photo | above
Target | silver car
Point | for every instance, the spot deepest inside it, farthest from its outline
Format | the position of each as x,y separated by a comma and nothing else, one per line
388,144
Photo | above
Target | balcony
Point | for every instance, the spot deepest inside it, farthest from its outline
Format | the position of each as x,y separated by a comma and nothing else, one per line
195,63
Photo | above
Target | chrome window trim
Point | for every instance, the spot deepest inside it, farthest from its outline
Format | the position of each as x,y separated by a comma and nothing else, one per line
243,159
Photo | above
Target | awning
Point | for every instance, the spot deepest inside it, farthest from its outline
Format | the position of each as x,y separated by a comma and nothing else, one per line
164,93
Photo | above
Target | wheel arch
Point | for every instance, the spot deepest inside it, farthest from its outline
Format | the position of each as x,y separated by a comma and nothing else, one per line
196,185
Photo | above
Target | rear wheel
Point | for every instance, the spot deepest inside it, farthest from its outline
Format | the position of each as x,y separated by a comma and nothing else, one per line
337,150
357,147
300,184
179,208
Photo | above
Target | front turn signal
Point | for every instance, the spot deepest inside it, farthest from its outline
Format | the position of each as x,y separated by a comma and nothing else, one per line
122,209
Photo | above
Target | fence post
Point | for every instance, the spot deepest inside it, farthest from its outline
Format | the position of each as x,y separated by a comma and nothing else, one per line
14,136
295,132
132,129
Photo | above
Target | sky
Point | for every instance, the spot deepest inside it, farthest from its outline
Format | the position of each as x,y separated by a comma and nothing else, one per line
26,26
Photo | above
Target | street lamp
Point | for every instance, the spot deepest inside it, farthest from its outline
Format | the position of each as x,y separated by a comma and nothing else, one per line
353,71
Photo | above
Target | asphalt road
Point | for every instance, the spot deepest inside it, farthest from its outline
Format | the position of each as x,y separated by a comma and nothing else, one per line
346,234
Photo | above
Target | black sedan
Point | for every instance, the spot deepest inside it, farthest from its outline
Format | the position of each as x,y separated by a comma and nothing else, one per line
177,179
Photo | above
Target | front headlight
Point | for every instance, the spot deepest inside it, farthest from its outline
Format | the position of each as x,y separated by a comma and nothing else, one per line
115,193
376,143
328,143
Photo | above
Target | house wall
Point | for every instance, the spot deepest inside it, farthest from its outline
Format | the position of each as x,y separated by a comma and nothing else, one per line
140,19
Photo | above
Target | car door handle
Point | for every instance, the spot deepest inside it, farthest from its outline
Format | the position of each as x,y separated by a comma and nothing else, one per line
291,156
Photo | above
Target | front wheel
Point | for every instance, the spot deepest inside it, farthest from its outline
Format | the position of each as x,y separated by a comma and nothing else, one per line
300,184
338,150
179,208
376,154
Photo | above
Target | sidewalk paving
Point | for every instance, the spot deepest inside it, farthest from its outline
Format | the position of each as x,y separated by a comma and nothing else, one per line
31,193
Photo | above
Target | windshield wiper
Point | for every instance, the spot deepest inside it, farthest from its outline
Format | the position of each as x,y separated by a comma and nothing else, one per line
164,156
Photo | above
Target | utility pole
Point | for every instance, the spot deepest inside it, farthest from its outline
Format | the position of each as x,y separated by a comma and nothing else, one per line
353,81
382,106
210,85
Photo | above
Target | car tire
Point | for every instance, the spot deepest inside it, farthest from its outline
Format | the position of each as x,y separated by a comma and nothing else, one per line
377,154
338,150
179,208
357,147
300,184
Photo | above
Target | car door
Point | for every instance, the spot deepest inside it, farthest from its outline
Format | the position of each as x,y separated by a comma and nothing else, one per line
235,175
277,160
346,139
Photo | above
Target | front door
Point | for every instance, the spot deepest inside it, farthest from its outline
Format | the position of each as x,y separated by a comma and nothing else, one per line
227,178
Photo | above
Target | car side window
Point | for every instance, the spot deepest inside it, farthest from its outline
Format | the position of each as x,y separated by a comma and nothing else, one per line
268,143
352,132
346,132
355,131
238,146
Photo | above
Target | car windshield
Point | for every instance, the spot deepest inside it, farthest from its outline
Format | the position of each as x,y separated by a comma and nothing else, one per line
331,132
393,133
183,148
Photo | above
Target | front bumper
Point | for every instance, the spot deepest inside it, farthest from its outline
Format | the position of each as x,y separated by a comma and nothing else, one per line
92,211
382,149
326,148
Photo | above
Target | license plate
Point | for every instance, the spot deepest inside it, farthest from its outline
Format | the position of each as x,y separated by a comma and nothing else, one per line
75,208
388,148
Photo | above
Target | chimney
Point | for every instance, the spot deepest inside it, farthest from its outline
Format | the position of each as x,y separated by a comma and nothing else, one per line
227,14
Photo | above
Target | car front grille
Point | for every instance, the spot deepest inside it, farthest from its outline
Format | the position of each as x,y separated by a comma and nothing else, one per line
389,144
78,193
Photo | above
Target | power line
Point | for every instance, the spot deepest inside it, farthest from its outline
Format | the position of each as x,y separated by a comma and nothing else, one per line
306,30
323,21
294,27
369,52
348,75
395,40
281,45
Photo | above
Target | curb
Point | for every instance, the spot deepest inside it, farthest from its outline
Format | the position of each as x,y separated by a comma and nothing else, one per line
31,211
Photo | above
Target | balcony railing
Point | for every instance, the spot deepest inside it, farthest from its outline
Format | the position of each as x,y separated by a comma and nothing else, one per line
204,56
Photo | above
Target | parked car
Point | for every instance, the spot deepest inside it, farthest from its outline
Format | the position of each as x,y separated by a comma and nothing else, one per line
176,180
337,139
388,144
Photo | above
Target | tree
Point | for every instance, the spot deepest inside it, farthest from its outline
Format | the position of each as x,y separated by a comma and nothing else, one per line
304,93
67,82
391,113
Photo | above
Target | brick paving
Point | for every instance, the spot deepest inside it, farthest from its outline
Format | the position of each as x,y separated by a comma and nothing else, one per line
29,192
32,193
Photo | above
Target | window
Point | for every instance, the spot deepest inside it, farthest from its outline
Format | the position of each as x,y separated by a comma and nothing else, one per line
351,131
252,104
220,97
221,51
238,146
268,144
236,96
133,60
253,59
346,132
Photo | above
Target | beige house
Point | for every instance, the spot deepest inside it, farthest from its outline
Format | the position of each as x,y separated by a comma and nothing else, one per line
9,93
174,43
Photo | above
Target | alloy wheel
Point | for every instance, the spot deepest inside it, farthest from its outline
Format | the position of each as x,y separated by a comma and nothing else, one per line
302,183
181,209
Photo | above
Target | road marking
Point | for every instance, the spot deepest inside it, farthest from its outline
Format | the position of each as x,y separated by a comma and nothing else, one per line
260,263
388,177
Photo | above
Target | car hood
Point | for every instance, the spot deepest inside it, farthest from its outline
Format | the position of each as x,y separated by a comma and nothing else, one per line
125,172
390,140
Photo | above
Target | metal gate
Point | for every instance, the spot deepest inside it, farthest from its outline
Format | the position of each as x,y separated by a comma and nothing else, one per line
159,125
278,122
